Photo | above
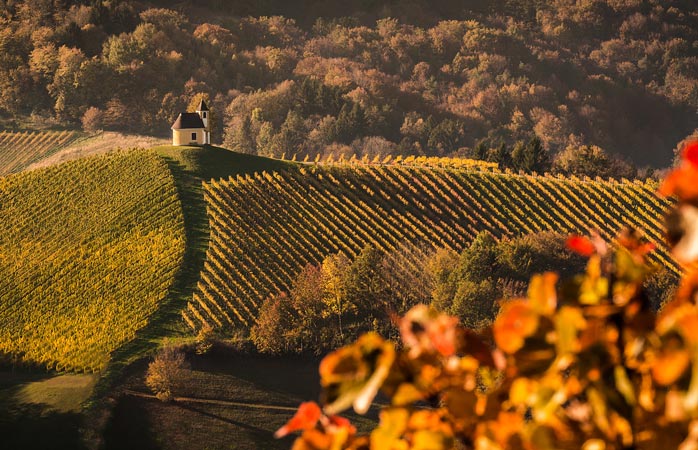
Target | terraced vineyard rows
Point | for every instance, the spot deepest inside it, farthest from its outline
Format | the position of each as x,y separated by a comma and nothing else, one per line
18,150
266,227
88,251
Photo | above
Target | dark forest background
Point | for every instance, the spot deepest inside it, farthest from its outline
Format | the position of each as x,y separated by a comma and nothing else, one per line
471,78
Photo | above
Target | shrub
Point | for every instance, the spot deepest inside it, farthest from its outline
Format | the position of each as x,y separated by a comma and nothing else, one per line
166,372
205,339
93,120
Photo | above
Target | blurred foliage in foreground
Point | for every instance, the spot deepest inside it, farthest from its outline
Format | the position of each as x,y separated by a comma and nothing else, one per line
583,363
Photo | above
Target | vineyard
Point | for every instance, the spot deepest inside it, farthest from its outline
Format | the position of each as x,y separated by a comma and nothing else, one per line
18,150
88,251
266,227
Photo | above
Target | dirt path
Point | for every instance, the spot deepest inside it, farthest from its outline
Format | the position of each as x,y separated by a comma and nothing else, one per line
214,402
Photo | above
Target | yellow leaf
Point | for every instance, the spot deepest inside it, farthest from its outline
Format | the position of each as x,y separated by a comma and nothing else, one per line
542,292
393,424
352,375
521,390
594,444
406,394
568,322
430,440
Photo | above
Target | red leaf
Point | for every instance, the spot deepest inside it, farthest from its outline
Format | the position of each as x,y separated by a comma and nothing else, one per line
690,152
646,248
342,422
681,182
305,418
581,245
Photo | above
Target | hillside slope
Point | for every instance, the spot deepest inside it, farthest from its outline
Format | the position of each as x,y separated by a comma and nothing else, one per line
96,144
88,252
19,150
90,249
266,227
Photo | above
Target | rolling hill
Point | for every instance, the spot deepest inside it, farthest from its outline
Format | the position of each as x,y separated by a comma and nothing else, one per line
265,227
88,251
91,249
19,150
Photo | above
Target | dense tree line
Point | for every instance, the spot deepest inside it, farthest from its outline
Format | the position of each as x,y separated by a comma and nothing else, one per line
440,78
332,303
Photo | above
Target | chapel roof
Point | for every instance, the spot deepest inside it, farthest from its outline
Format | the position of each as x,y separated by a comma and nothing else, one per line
188,120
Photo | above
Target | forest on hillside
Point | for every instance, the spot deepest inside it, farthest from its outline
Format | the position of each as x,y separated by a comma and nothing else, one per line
361,76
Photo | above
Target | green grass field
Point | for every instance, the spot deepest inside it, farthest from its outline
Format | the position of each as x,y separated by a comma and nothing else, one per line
42,411
151,424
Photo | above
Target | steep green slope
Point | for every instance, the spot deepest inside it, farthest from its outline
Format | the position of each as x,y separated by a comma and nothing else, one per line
266,227
89,250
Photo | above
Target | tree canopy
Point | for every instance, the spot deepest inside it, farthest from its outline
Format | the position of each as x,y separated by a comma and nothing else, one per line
424,78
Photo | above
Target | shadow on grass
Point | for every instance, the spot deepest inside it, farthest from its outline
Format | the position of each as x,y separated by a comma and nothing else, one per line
260,432
300,374
32,426
211,162
129,427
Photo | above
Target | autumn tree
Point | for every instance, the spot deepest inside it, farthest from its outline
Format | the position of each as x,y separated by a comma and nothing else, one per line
92,120
166,372
591,161
272,330
334,280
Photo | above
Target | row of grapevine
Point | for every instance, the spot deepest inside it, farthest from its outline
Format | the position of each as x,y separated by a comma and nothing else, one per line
399,160
266,227
88,251
18,150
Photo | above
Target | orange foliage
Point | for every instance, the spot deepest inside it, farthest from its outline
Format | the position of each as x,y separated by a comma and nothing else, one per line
581,363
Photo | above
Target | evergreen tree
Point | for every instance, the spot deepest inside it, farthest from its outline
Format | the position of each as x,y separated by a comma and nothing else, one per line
518,156
265,139
446,137
502,156
242,138
357,118
350,124
480,151
536,158
530,157
291,136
